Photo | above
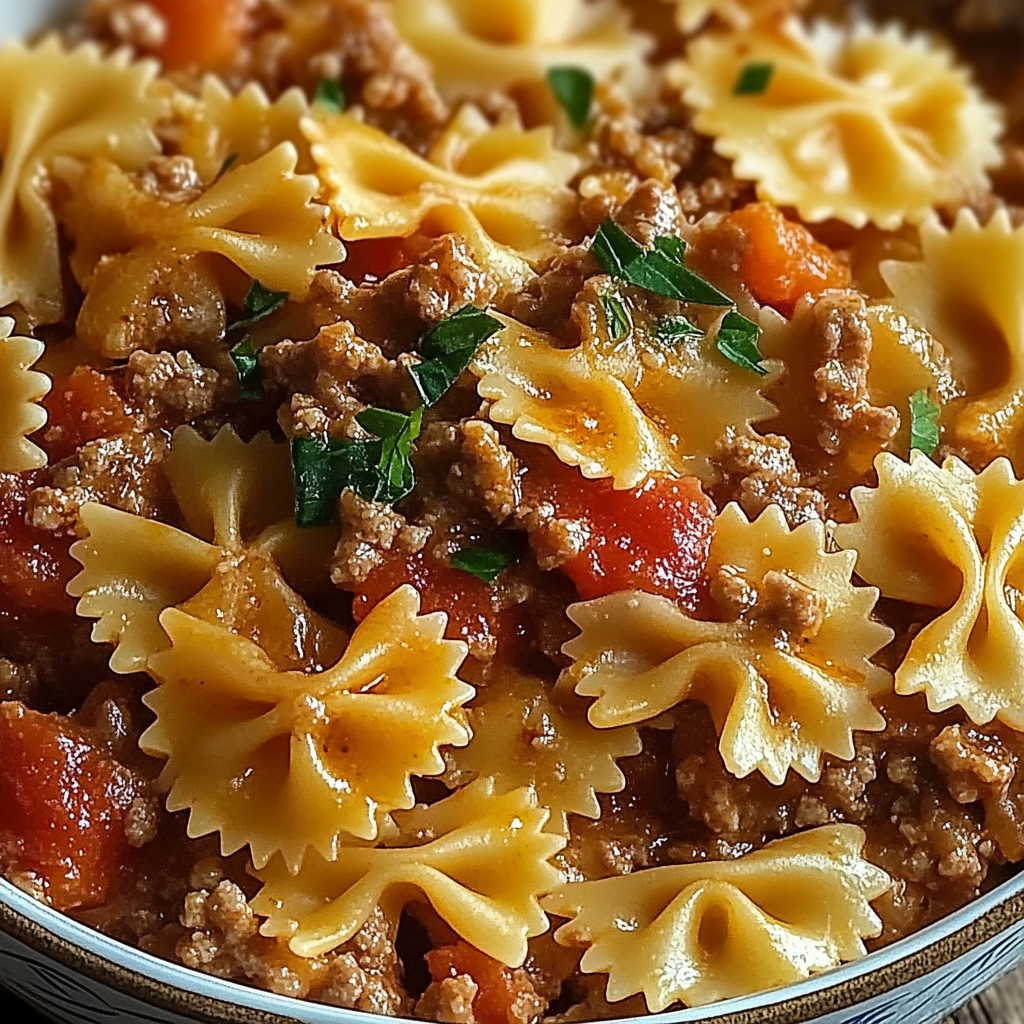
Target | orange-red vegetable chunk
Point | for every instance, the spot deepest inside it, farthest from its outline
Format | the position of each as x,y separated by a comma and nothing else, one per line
497,989
783,261
62,807
82,407
202,33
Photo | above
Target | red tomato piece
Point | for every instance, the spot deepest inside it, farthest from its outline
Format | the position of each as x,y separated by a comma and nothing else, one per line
82,407
498,991
202,33
654,538
783,261
62,806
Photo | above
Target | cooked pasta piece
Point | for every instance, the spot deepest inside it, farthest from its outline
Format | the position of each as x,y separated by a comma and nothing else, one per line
950,540
60,102
966,290
864,124
235,504
620,410
21,388
784,668
502,188
692,15
475,48
219,129
528,733
700,933
480,859
283,761
259,216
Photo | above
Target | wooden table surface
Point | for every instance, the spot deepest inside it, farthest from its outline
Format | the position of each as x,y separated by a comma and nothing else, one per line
1004,1004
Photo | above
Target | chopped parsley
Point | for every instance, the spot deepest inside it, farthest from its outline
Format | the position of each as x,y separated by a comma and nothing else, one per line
617,318
380,470
260,302
574,89
737,341
924,423
330,96
485,564
754,79
250,373
661,270
669,329
448,349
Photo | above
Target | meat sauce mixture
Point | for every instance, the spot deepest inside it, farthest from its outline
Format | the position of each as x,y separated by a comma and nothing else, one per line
83,824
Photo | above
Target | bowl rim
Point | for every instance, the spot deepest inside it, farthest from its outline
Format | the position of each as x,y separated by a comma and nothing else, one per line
176,988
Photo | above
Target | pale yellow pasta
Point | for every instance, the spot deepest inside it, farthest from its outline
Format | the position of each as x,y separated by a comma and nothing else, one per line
784,667
235,504
527,733
284,761
966,289
502,188
21,388
60,102
692,15
620,411
480,859
950,540
474,48
701,933
864,124
219,129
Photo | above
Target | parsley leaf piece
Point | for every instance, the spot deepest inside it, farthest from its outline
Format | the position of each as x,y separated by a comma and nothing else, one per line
660,270
574,89
448,349
260,302
616,317
924,423
229,162
485,564
737,341
754,79
330,96
669,329
393,472
250,373
318,473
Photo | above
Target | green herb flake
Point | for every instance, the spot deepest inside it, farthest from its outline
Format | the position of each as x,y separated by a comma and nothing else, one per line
754,80
737,341
671,329
617,318
330,96
574,89
924,423
250,373
661,270
485,564
379,470
448,349
260,302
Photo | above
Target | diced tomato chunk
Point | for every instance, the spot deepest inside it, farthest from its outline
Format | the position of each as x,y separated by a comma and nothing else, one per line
498,989
655,538
783,261
202,33
35,566
62,807
82,407
472,606
373,259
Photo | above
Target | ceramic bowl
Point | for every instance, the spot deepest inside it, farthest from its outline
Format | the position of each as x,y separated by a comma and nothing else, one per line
75,976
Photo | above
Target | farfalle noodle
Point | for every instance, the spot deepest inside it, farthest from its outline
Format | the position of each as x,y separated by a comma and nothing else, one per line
502,188
475,48
740,14
21,388
526,733
966,290
784,668
235,506
283,761
480,859
864,124
60,102
619,410
951,540
700,933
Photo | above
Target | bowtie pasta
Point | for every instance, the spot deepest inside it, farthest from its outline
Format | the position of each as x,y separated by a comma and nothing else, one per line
512,512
